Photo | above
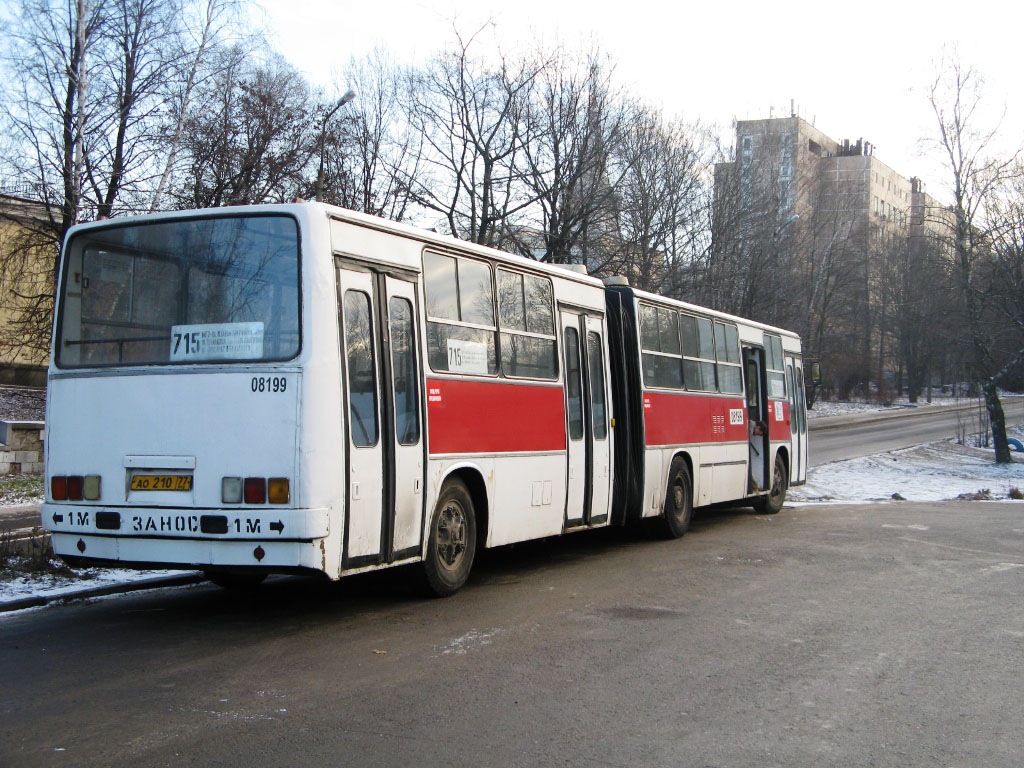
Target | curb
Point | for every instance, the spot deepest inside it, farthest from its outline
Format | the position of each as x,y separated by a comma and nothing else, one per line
156,582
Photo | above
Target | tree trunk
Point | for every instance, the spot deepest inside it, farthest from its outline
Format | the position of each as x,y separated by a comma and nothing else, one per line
998,421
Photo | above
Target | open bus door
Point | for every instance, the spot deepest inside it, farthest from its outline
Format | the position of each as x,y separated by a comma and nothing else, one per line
756,387
797,420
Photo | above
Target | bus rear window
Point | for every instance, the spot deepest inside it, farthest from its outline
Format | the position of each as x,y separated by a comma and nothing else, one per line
221,289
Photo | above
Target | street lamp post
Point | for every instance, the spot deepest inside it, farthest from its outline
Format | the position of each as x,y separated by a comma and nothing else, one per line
349,95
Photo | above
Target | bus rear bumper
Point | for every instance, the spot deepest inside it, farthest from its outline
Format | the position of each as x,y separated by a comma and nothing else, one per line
123,551
272,539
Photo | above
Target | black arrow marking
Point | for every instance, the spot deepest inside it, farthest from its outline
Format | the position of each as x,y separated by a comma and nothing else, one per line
278,526
58,518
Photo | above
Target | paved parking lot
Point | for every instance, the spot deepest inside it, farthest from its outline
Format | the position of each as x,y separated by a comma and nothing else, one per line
886,635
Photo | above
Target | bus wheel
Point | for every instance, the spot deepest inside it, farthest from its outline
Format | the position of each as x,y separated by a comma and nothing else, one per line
236,582
772,503
452,541
675,518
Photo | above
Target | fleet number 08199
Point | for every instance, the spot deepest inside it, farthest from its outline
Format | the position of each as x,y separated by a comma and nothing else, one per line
269,384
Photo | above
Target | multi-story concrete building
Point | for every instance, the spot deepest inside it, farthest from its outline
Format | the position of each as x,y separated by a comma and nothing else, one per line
844,213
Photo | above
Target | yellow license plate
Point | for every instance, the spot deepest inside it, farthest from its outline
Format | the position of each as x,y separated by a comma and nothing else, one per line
161,483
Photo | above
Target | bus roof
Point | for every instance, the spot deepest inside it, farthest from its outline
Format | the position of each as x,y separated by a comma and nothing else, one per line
311,208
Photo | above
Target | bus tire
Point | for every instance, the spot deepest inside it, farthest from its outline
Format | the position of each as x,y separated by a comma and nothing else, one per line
451,545
675,518
772,503
234,581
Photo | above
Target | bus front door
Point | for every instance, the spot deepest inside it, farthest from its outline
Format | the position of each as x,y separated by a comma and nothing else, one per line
383,417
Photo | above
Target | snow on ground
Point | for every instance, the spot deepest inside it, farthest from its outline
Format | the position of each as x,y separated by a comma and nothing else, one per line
930,472
847,408
51,585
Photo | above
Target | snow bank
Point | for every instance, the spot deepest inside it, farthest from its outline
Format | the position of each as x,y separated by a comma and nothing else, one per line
930,472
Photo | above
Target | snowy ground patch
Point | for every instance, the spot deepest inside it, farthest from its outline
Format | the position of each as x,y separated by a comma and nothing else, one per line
930,472
848,408
54,585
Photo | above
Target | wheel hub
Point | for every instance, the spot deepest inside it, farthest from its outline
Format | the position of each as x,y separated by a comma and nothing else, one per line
451,534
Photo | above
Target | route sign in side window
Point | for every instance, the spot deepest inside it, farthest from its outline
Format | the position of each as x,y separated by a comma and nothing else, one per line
461,332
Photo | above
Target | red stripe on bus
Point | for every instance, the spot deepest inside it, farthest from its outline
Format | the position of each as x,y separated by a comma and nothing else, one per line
494,417
671,419
780,430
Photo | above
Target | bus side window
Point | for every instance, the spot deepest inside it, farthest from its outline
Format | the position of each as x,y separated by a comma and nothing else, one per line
362,377
753,390
403,372
596,364
574,383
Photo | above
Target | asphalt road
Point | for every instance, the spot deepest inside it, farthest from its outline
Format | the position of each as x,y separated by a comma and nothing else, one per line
883,635
896,430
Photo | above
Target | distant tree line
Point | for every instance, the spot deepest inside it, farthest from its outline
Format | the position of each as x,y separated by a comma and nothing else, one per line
114,107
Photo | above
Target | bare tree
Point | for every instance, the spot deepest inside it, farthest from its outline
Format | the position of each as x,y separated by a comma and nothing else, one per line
371,153
471,117
974,173
205,25
575,120
249,139
662,192
83,91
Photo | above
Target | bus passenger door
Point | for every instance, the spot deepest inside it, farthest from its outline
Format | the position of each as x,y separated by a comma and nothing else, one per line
756,386
575,420
588,471
404,529
797,420
600,440
384,410
364,455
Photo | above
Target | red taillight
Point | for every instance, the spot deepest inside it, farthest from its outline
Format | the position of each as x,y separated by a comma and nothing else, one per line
75,486
59,488
255,490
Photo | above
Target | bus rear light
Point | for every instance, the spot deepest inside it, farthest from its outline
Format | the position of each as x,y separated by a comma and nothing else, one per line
278,490
59,488
255,490
75,483
231,490
91,488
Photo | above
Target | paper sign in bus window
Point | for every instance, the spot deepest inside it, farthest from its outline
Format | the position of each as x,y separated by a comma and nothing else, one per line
467,356
216,341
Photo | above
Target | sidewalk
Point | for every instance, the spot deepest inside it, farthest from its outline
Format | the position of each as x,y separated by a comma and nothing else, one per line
893,413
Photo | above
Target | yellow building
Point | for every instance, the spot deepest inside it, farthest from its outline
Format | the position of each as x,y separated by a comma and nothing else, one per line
26,273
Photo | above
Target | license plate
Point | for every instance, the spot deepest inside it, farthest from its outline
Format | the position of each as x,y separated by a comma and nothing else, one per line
161,483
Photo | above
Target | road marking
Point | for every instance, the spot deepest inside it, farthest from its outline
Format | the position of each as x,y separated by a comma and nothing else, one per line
959,549
1001,567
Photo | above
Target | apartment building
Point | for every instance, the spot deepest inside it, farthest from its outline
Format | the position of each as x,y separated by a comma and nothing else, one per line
836,206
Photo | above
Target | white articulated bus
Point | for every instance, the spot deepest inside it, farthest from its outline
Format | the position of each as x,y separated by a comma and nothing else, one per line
299,387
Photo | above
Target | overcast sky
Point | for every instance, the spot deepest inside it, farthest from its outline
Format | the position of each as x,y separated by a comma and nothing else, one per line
855,69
